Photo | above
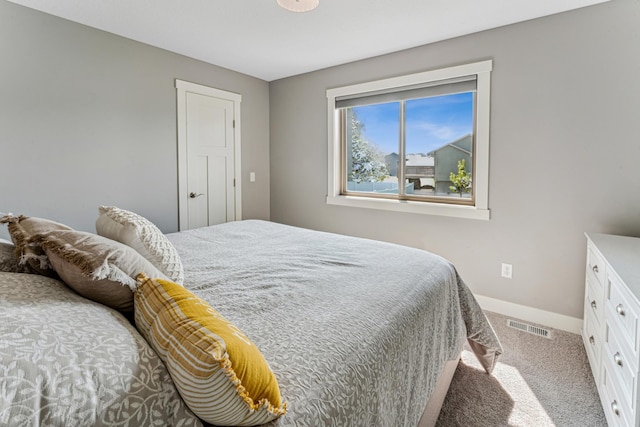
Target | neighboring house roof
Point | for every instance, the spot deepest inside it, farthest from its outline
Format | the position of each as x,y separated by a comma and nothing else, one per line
419,160
464,144
413,159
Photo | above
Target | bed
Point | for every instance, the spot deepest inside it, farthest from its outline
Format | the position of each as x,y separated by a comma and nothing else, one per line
356,332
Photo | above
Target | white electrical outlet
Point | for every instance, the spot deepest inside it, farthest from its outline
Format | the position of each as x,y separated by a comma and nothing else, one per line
252,177
507,270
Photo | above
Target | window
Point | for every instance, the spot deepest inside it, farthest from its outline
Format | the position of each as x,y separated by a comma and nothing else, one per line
416,143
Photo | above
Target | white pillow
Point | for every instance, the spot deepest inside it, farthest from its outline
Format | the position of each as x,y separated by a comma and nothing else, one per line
142,235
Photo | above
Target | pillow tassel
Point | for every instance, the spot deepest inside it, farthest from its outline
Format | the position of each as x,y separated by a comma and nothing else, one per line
8,218
225,365
19,237
67,253
117,275
42,259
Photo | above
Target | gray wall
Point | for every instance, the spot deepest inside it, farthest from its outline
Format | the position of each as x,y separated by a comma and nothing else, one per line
89,118
565,144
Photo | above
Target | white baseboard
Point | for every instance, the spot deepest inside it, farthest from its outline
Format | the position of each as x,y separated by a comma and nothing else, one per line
530,314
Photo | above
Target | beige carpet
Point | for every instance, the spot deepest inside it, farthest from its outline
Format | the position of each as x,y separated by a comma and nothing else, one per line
537,382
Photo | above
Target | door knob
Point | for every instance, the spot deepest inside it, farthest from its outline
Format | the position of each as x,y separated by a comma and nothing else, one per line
617,359
194,195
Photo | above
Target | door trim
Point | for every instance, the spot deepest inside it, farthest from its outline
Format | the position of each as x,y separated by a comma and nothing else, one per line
182,88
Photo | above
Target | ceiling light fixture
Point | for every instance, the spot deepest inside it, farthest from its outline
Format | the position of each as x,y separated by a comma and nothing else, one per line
299,5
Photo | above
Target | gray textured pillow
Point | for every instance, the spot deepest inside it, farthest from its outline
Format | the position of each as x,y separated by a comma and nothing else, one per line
95,267
142,235
22,230
8,260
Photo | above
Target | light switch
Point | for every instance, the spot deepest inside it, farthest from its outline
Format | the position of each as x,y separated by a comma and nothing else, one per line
252,176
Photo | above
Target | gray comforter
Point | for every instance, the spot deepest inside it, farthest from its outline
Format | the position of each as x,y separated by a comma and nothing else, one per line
356,331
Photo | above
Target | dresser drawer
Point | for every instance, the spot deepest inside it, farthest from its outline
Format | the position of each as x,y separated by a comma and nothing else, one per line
615,409
594,304
622,368
623,313
593,344
595,265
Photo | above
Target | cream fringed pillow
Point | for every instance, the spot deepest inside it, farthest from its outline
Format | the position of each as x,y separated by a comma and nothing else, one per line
95,267
220,373
142,235
22,229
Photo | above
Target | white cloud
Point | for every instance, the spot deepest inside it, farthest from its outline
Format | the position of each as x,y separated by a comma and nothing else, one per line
443,133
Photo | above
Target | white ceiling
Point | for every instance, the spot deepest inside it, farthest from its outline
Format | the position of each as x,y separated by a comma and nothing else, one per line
258,38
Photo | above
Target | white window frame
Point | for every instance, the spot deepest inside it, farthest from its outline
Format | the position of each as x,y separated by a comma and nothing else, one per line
480,210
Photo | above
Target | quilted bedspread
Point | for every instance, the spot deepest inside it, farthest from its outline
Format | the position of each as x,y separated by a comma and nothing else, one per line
356,331
66,361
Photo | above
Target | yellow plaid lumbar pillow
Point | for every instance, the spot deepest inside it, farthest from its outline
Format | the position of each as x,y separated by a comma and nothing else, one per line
218,370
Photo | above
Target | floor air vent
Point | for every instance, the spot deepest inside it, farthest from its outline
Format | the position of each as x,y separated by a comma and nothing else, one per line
535,330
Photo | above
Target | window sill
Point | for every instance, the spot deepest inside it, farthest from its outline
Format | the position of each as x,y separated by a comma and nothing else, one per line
425,208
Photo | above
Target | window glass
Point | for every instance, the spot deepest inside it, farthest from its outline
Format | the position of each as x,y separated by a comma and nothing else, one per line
439,145
372,147
433,136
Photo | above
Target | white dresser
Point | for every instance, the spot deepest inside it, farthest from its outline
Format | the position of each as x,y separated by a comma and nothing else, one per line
611,330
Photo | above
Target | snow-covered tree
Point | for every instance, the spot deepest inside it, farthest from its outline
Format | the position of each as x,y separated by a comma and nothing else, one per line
367,161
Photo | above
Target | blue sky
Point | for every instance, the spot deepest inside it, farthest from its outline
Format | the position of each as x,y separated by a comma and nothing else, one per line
431,122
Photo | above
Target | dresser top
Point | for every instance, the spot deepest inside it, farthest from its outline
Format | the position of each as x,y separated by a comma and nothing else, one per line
623,254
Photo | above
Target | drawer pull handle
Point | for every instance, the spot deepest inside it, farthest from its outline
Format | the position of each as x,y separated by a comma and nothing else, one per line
595,269
614,408
593,304
592,340
620,309
617,359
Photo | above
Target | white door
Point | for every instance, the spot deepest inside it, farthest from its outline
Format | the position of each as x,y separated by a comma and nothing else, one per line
208,156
